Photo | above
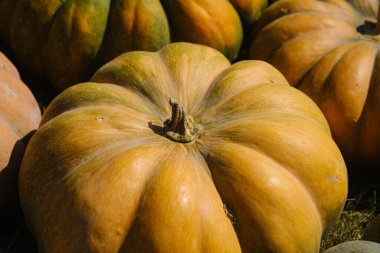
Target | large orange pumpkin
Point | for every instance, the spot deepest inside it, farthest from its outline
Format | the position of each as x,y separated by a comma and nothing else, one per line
66,41
330,50
19,116
180,151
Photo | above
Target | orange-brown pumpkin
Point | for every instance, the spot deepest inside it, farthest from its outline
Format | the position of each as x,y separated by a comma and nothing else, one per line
65,41
236,161
19,116
330,50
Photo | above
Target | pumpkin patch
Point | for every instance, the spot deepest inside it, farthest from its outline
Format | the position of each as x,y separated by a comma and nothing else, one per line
180,151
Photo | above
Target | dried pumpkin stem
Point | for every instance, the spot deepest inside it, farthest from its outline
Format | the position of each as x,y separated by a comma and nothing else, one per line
179,127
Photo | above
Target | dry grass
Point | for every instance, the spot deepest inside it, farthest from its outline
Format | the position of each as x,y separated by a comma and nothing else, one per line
356,215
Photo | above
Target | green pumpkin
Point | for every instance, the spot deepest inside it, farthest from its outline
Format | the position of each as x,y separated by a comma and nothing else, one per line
68,40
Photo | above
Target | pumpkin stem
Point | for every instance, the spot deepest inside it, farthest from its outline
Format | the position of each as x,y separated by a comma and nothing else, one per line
179,127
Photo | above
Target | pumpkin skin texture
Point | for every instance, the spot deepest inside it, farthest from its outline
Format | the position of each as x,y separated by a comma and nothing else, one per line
322,48
102,175
69,40
19,116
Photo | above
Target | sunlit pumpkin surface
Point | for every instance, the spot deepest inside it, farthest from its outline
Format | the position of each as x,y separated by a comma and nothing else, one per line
258,173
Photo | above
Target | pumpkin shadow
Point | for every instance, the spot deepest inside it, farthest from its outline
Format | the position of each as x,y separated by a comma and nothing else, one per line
156,129
22,241
364,186
10,212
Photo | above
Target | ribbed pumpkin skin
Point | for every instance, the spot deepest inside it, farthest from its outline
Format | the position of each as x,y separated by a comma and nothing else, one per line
317,47
99,176
69,40
19,115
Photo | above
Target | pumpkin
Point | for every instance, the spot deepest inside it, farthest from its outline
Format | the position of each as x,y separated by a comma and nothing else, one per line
19,116
329,50
69,40
372,230
356,246
180,151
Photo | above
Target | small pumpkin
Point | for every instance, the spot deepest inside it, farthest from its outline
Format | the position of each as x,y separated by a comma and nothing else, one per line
330,50
19,116
68,40
180,151
372,230
356,246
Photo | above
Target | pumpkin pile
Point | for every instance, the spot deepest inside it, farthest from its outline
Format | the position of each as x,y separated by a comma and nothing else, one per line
183,125
66,41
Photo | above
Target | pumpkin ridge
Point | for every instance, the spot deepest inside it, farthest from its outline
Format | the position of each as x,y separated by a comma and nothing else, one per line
371,83
328,100
240,74
357,119
76,37
118,146
219,36
303,81
185,92
38,38
274,50
123,141
174,89
371,90
191,13
324,13
257,231
84,200
288,18
134,34
88,94
318,56
221,112
193,211
52,20
101,54
304,179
